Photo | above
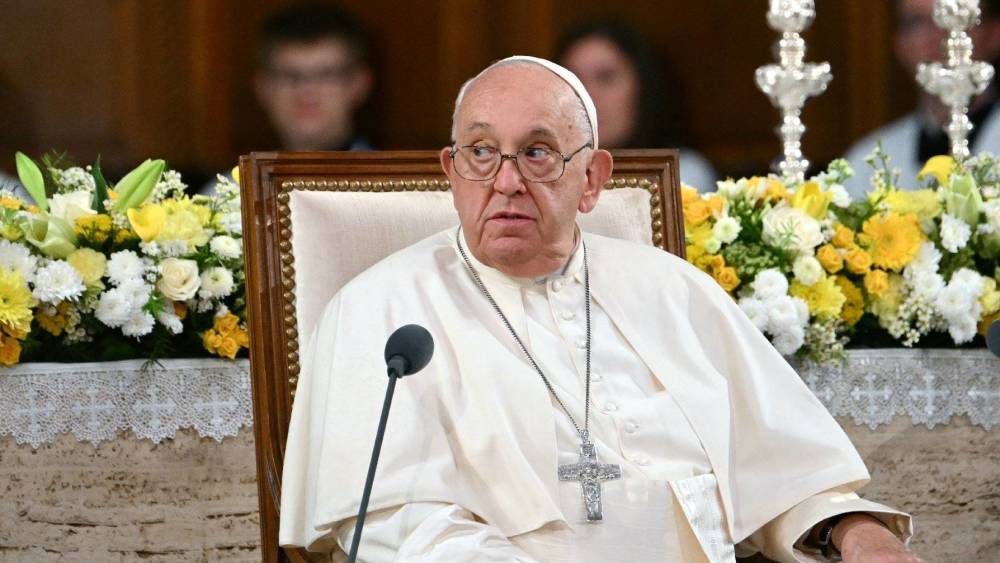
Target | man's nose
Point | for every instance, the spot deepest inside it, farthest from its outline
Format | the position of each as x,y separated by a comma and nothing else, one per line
508,180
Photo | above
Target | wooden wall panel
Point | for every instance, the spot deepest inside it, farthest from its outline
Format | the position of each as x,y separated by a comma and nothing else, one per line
173,78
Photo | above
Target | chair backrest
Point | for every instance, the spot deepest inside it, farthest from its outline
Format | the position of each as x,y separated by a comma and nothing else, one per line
313,221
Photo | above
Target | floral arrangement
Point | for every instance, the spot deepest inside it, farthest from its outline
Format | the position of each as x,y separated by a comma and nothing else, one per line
91,271
814,270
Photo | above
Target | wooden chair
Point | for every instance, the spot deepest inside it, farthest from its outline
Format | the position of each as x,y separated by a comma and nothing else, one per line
312,221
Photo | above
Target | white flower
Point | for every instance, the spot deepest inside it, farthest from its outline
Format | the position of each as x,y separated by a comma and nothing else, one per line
954,301
992,210
232,222
729,189
169,319
770,283
124,266
807,269
73,179
840,196
802,308
969,280
57,281
113,308
791,228
756,311
179,279
227,247
962,329
924,283
726,229
712,245
927,258
69,206
17,258
139,324
151,248
789,341
782,315
955,233
136,291
216,283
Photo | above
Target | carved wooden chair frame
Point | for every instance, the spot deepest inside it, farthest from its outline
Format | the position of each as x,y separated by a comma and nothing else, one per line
267,180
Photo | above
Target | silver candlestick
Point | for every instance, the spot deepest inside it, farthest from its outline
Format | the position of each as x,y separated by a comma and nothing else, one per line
790,83
961,78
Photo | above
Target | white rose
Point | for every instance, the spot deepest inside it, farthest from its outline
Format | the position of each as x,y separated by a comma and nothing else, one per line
179,279
807,269
71,205
791,228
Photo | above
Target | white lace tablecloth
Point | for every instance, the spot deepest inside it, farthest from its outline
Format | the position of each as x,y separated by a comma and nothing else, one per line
930,386
96,401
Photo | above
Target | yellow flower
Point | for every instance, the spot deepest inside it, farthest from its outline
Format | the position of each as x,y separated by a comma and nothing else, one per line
180,309
715,204
810,199
186,221
11,232
990,298
776,190
925,204
940,167
226,337
842,236
10,203
823,297
886,304
894,239
858,261
15,301
123,235
854,306
988,320
877,282
696,212
90,264
697,235
727,278
689,194
10,351
53,324
147,221
830,259
93,227
236,173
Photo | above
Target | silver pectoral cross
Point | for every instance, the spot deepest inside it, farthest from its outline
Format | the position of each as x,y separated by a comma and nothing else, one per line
590,473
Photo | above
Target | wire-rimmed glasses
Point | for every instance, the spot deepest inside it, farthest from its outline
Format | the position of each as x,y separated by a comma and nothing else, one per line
535,164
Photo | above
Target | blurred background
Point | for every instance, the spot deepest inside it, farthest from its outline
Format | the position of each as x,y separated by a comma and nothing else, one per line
130,79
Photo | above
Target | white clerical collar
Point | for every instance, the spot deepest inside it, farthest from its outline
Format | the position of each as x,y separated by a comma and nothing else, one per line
572,270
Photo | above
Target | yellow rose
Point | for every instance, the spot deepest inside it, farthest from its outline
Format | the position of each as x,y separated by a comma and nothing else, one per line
90,264
727,278
858,261
842,236
147,221
10,351
228,347
717,263
854,307
697,212
689,194
227,324
830,259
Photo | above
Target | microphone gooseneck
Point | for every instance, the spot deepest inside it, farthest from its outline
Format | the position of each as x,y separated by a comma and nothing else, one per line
408,350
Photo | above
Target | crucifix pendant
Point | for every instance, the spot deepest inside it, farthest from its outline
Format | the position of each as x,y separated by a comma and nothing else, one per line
590,473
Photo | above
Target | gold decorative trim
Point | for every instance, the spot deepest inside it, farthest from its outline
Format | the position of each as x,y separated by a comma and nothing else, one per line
287,268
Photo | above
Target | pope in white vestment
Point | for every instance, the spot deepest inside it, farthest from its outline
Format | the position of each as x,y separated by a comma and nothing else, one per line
722,448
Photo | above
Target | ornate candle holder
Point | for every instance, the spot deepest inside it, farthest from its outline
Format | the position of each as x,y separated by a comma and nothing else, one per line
960,78
791,82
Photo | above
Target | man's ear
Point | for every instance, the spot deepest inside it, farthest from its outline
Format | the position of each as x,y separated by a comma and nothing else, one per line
447,164
598,173
361,86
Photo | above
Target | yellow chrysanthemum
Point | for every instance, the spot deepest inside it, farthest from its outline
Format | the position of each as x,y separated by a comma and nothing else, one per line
830,259
823,297
842,236
854,306
925,204
15,301
893,239
93,227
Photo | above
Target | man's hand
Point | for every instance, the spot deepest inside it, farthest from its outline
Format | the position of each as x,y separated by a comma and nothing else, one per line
863,539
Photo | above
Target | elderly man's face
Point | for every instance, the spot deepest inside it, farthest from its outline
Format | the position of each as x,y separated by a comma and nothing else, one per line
524,228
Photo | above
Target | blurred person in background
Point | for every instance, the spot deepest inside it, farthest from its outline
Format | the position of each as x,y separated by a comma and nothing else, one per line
313,76
626,81
919,135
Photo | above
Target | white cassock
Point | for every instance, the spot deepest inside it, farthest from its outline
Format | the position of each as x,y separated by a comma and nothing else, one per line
900,139
719,441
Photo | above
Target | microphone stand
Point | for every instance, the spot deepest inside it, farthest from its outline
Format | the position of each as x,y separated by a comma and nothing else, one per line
396,370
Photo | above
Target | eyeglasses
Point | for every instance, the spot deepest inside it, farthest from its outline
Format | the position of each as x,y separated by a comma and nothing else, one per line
535,164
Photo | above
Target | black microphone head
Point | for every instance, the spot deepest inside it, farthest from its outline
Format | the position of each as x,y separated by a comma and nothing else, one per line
413,344
993,338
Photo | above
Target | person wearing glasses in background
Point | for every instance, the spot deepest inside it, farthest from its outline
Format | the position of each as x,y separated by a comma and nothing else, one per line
589,399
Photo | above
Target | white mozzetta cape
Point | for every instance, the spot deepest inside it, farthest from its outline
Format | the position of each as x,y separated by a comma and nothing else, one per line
476,427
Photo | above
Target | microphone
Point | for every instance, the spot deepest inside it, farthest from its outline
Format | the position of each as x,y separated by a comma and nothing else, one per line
408,350
993,338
